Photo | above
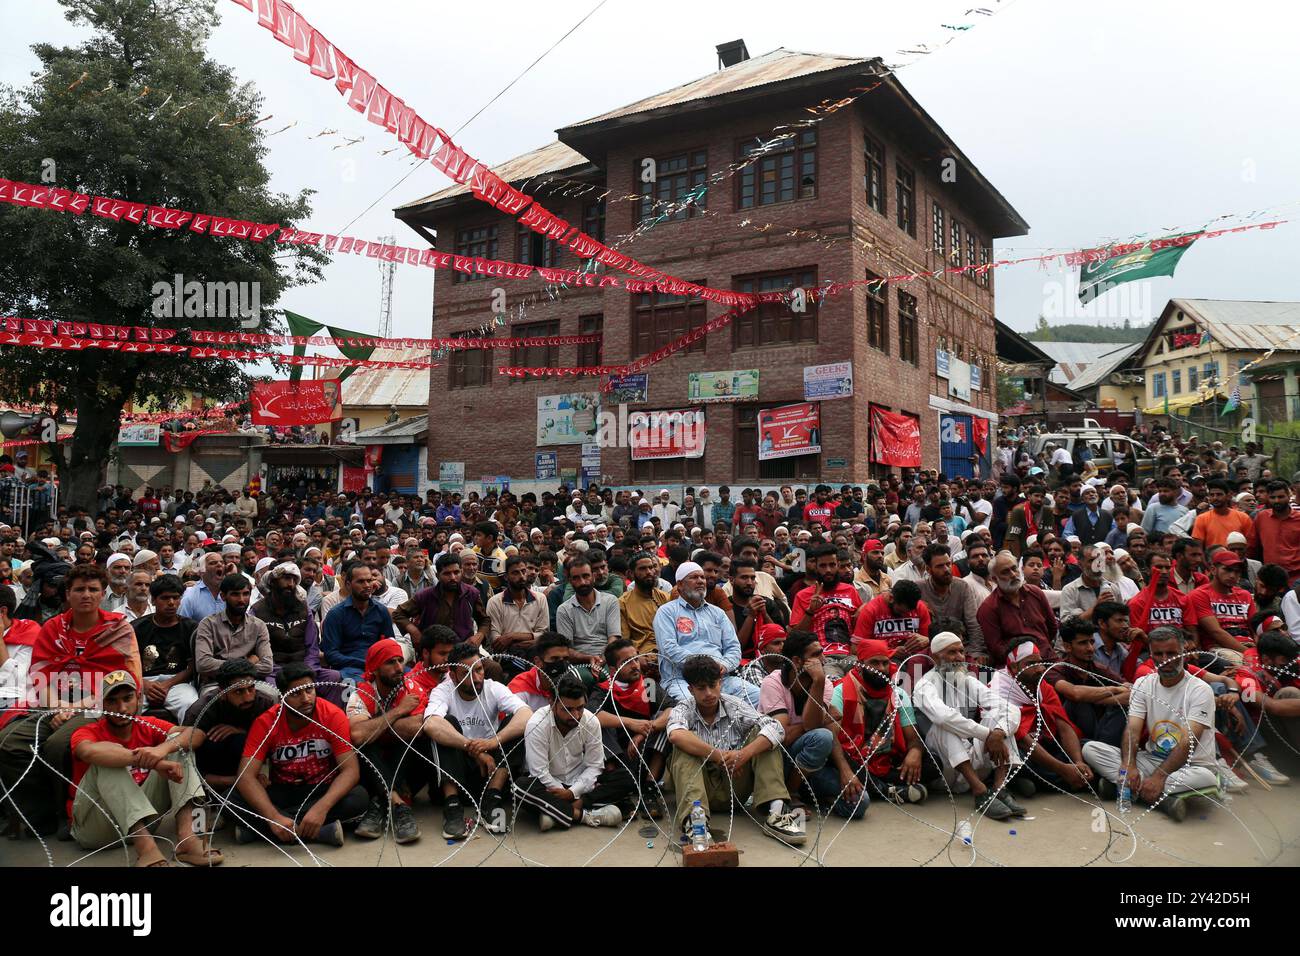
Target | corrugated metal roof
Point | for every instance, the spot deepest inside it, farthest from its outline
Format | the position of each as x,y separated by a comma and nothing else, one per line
551,158
778,65
1252,326
405,428
385,387
1072,358
1103,366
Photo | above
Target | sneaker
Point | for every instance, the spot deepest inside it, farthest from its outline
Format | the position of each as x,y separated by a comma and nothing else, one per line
991,806
331,834
1267,772
453,821
405,829
1022,786
1229,779
546,822
1175,808
606,816
245,834
653,804
786,825
1011,803
495,818
1107,789
375,820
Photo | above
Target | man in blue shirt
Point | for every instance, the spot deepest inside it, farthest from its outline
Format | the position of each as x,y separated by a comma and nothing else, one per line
204,598
690,625
1165,510
354,624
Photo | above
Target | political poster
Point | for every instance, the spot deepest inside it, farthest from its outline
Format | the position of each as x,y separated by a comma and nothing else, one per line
674,433
895,438
828,381
789,431
628,389
287,403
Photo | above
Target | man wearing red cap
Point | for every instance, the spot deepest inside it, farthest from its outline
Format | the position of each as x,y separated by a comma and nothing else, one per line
1220,612
876,728
125,778
871,579
385,718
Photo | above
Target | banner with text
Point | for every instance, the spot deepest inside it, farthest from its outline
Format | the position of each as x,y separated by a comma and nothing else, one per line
895,438
789,431
678,433
297,403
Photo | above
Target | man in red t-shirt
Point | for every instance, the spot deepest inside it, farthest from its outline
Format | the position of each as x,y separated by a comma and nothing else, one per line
72,653
1220,611
125,778
828,609
899,618
819,510
315,781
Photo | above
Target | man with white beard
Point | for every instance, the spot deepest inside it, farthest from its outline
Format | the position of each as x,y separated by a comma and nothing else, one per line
119,576
690,625
913,569
1102,579
1016,611
972,729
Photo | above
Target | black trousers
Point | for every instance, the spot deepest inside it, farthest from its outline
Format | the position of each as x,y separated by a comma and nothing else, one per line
1104,724
465,771
391,765
295,799
614,785
220,758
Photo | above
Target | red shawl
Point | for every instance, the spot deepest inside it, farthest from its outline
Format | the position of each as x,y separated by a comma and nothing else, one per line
60,649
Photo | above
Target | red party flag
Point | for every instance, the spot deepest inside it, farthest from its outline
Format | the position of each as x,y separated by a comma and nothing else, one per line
320,57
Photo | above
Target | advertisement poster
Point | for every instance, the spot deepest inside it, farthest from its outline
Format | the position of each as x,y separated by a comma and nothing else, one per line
139,434
828,381
296,403
895,439
451,476
590,465
678,433
568,419
628,389
789,431
722,386
959,380
548,465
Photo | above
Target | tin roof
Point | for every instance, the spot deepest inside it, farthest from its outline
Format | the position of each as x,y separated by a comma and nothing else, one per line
773,67
1102,366
394,432
1245,324
1073,357
386,387
551,158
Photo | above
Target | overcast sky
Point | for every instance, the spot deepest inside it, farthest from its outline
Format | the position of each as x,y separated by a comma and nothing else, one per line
1096,121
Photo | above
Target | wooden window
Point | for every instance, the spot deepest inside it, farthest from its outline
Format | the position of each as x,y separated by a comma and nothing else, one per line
534,249
593,354
907,328
905,194
658,318
668,471
478,241
774,323
535,356
874,179
984,260
972,247
955,245
469,368
784,172
676,177
937,237
749,468
877,314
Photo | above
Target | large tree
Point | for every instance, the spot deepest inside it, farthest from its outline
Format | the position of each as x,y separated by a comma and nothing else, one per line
137,112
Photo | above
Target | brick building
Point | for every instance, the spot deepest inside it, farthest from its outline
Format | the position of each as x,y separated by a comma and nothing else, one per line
882,186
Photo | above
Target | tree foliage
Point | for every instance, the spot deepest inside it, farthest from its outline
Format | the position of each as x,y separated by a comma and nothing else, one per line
137,111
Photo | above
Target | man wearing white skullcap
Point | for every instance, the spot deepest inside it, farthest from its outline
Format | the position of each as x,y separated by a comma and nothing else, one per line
972,729
690,625
118,566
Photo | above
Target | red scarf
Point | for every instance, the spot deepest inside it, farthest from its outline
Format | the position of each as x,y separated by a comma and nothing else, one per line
630,697
61,649
530,682
22,634
853,727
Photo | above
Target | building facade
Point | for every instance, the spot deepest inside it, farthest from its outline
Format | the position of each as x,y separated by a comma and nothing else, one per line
875,189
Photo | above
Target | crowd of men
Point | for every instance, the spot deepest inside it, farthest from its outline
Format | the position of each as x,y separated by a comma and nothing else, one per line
302,663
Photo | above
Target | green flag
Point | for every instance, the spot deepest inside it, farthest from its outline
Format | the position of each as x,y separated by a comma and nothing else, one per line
301,325
1158,257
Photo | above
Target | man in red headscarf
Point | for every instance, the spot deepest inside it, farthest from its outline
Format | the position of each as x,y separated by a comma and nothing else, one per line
877,728
71,655
385,721
1046,736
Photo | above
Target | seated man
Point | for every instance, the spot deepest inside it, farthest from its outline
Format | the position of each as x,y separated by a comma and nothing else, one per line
225,716
877,730
1175,711
1094,698
567,779
385,716
971,728
230,634
125,779
295,638
478,749
633,716
551,654
1045,735
307,744
798,694
688,626
354,624
166,642
724,752
1279,674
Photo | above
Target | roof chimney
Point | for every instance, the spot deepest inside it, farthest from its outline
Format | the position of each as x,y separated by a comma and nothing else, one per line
729,54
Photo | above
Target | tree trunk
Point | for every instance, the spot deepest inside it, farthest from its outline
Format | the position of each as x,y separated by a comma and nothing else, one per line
97,426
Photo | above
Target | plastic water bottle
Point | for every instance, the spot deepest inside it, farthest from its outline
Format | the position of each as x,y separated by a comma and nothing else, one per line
964,833
1124,797
700,838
